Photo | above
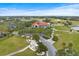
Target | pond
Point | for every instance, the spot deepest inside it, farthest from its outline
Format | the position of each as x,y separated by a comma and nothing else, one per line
75,27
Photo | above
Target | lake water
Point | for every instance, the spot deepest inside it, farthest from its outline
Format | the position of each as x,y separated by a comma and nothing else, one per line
75,28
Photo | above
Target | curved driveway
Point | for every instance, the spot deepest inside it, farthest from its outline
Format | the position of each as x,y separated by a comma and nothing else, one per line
49,45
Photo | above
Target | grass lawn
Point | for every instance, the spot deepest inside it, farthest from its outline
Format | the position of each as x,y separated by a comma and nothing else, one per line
12,44
27,52
55,20
75,22
62,28
68,37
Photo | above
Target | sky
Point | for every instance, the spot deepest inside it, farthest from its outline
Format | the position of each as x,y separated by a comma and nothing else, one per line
39,9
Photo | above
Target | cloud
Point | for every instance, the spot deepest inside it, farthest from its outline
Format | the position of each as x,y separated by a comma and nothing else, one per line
66,10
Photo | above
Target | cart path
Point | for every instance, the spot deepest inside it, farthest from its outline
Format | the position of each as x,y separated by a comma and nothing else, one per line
18,51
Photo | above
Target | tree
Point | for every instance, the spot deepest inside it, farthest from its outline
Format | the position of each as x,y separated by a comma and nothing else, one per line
64,45
47,33
41,48
47,20
69,22
67,51
71,51
70,48
70,45
32,21
61,52
36,37
27,24
66,24
55,38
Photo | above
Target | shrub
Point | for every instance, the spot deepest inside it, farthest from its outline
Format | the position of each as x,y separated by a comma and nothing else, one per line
36,37
55,38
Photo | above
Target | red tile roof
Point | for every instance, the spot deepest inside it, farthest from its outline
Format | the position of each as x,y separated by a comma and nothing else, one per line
40,24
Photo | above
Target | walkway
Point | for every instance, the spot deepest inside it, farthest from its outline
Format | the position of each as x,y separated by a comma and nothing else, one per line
18,51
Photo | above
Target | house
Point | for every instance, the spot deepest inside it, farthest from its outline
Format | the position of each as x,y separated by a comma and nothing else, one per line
1,21
15,33
40,24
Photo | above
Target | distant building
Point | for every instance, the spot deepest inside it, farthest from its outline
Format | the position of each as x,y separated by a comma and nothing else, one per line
40,25
15,33
1,21
58,20
11,26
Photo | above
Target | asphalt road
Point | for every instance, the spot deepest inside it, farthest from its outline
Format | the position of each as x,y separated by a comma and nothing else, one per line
49,45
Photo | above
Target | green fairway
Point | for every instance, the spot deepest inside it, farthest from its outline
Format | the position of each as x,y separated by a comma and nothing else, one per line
27,52
12,44
75,22
62,28
56,20
67,37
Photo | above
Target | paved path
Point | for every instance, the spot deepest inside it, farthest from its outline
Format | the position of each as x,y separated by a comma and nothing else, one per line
18,51
49,45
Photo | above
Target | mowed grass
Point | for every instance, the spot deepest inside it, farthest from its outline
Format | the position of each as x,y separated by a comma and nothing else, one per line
56,20
75,22
62,28
12,44
67,37
27,52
